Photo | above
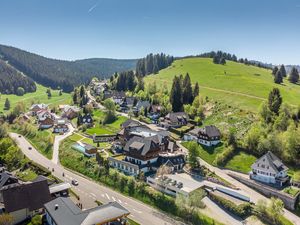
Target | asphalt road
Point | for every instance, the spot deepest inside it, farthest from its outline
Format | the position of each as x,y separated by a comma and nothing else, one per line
89,191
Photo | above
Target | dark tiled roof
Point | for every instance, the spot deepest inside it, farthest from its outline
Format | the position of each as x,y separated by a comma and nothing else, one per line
130,123
144,104
176,117
210,131
32,196
6,179
149,144
174,159
64,212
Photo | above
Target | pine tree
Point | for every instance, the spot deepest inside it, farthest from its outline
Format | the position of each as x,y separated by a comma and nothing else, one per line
282,71
82,91
278,77
274,71
222,61
294,75
216,59
275,100
7,104
176,95
196,90
187,95
75,97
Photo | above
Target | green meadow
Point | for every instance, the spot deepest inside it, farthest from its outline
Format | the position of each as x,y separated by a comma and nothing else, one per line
235,84
40,96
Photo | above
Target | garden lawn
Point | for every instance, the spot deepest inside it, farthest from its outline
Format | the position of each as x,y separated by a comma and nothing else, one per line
294,173
232,83
76,137
26,175
38,96
207,153
98,130
291,191
241,162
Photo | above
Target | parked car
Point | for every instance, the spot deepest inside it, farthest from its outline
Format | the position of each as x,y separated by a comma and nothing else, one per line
75,182
29,148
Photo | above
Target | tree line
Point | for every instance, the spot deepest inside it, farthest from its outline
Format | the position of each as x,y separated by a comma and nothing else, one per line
280,73
59,73
13,82
182,92
152,63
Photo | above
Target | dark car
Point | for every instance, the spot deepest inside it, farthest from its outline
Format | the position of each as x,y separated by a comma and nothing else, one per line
29,148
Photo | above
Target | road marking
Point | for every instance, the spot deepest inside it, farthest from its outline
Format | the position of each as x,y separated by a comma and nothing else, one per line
93,195
107,196
113,198
137,211
132,215
125,203
120,201
102,195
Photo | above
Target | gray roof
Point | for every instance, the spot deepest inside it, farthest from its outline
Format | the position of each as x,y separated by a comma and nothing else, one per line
67,213
6,179
149,143
176,117
271,163
144,104
210,131
22,197
130,123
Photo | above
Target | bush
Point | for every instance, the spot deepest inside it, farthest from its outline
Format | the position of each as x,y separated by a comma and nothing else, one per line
222,158
242,210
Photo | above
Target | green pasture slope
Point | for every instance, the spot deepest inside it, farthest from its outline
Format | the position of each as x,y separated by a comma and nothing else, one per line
39,96
235,84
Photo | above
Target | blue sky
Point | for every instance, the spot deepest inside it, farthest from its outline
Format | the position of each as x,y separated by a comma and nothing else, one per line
266,30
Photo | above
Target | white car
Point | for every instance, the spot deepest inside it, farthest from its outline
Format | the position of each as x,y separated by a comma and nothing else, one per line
75,182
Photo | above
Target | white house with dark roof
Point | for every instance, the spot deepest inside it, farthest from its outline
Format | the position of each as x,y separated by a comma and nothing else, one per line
269,169
208,135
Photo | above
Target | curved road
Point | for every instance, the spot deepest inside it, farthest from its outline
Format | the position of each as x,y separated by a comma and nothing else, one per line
89,191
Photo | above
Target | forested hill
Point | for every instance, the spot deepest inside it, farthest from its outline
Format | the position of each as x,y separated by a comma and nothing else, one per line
13,82
60,73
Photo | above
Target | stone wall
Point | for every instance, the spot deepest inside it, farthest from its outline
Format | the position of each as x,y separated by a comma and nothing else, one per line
288,200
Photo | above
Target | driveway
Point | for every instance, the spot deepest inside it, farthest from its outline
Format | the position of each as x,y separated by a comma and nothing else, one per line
58,138
89,191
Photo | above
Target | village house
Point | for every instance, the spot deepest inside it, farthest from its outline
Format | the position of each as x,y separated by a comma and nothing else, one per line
155,112
86,119
175,120
62,211
46,123
70,112
145,105
208,135
20,202
37,107
145,150
127,104
116,96
269,169
60,126
43,114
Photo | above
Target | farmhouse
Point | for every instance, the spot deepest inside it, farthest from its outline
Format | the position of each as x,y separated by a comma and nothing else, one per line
208,135
70,112
175,120
145,105
269,169
86,119
37,107
60,126
46,123
43,114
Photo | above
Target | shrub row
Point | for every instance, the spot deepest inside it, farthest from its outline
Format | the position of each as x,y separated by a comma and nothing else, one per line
243,210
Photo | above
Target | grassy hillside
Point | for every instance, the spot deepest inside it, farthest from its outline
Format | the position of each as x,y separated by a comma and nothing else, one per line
38,96
235,84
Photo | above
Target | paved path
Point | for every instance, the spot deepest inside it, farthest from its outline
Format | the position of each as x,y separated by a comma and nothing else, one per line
254,196
89,191
57,140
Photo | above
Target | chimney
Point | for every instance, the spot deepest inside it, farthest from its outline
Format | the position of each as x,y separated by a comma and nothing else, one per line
56,207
